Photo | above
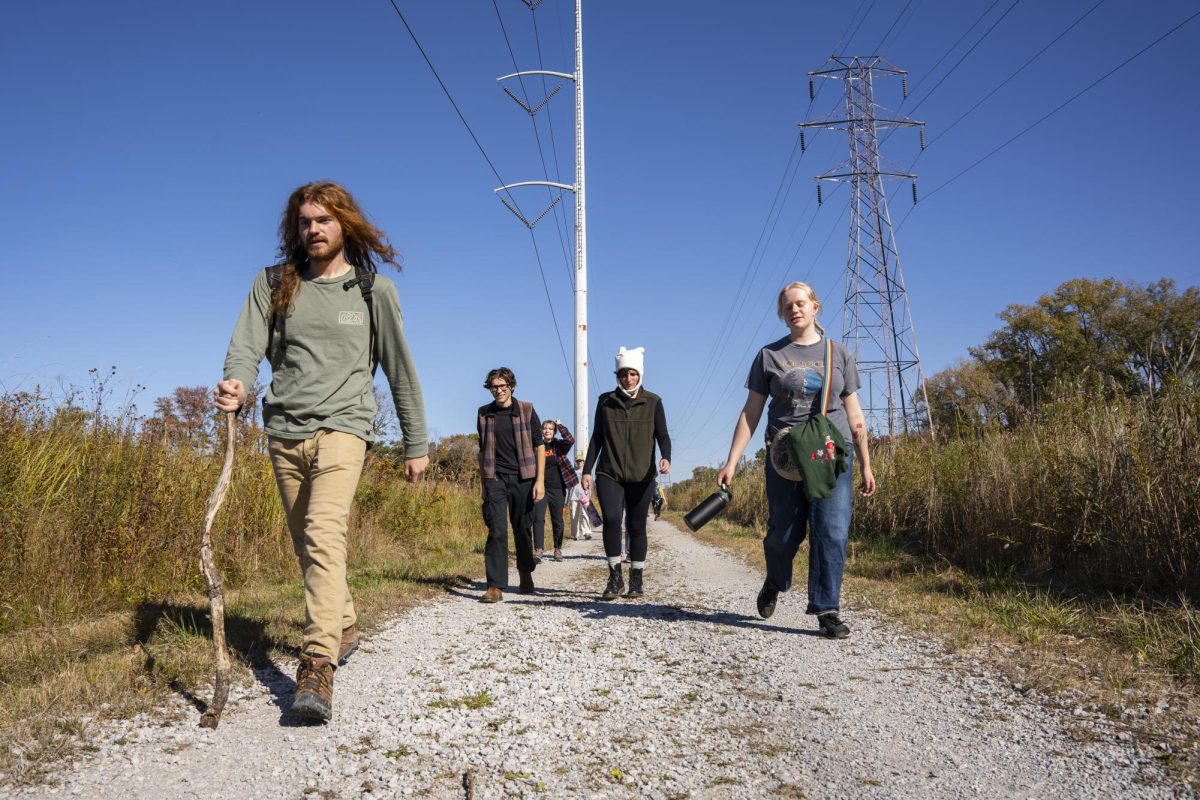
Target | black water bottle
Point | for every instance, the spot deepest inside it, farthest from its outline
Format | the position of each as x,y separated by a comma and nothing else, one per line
711,506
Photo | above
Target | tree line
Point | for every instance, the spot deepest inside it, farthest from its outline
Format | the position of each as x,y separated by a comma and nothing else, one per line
1097,335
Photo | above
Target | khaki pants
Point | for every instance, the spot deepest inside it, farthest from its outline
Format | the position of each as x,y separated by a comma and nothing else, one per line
317,478
581,526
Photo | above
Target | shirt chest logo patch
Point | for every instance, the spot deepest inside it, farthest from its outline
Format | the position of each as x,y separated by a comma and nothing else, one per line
350,318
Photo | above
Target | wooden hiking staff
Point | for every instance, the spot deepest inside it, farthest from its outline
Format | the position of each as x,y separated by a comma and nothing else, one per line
216,599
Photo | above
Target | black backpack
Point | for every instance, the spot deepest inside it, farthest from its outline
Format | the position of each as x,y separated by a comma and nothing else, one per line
363,278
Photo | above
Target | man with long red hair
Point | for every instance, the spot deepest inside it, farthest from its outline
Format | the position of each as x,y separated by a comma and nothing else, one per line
325,319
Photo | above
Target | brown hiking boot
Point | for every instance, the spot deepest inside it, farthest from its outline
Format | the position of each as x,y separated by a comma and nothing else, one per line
314,688
526,583
492,595
349,643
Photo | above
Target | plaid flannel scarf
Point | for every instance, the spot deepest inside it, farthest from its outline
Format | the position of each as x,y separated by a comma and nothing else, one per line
562,450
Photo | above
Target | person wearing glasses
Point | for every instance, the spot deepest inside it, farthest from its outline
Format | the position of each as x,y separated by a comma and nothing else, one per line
629,421
512,464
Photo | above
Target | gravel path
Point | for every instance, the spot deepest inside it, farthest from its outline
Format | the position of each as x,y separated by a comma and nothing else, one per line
685,693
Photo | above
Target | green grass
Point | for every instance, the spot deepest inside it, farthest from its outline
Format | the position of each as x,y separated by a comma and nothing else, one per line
474,702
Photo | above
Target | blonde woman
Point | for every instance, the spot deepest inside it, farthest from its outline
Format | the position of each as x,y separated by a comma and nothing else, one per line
791,372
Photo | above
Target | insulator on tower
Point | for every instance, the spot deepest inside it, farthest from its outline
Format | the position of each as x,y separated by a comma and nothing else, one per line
819,198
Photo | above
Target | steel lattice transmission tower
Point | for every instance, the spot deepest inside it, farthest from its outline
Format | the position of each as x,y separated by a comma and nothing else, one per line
877,324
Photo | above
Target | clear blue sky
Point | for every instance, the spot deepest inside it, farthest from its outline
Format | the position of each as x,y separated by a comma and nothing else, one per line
149,147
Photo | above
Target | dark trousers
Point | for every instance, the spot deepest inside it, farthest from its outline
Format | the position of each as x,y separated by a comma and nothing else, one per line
507,499
555,496
634,500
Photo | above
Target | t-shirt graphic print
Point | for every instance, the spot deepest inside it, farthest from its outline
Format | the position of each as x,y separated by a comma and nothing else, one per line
791,375
802,382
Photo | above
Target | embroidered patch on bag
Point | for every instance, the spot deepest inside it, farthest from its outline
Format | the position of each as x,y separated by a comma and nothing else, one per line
350,318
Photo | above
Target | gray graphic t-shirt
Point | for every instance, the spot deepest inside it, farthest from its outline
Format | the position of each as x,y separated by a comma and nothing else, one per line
792,376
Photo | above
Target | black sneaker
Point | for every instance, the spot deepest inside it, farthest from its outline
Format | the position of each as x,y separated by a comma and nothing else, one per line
832,625
767,596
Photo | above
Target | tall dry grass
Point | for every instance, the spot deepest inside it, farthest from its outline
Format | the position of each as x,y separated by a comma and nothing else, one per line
95,516
102,606
1100,494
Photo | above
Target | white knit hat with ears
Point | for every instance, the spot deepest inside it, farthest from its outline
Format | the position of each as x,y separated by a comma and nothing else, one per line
631,359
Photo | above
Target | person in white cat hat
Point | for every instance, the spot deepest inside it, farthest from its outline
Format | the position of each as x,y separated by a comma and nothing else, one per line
629,422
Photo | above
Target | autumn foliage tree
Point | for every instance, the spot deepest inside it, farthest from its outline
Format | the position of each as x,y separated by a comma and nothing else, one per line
1104,335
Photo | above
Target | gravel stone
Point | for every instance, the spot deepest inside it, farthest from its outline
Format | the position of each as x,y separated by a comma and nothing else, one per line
683,693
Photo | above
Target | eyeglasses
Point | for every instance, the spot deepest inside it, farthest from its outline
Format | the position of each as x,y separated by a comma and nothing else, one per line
496,387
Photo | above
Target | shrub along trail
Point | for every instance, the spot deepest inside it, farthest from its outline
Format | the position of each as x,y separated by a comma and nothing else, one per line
685,693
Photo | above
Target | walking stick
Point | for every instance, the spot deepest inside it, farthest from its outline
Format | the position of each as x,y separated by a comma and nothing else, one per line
216,600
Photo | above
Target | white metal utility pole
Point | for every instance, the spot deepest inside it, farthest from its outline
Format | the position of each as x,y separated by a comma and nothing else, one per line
581,343
581,348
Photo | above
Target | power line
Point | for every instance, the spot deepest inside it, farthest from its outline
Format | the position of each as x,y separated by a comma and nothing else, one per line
753,339
957,64
846,30
549,302
860,22
537,137
1017,72
560,219
953,47
963,58
496,172
879,46
564,236
901,28
1059,107
721,338
446,91
774,213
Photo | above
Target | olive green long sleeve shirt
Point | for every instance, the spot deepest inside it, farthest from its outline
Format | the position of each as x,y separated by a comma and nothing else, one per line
324,378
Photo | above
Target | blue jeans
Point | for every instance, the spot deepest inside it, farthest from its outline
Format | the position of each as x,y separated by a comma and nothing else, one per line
791,516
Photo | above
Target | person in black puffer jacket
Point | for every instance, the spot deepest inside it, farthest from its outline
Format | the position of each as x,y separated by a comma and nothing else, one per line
629,422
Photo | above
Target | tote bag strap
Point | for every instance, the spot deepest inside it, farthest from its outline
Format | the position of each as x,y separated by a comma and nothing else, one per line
828,375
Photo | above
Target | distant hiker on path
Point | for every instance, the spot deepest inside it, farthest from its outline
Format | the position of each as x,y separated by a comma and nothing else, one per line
581,509
792,372
512,467
325,319
560,479
659,501
629,421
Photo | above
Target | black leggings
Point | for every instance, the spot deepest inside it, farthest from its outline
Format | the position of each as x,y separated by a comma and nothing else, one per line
634,500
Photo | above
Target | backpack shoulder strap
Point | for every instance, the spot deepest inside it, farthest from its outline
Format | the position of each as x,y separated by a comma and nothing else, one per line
364,279
274,280
274,277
